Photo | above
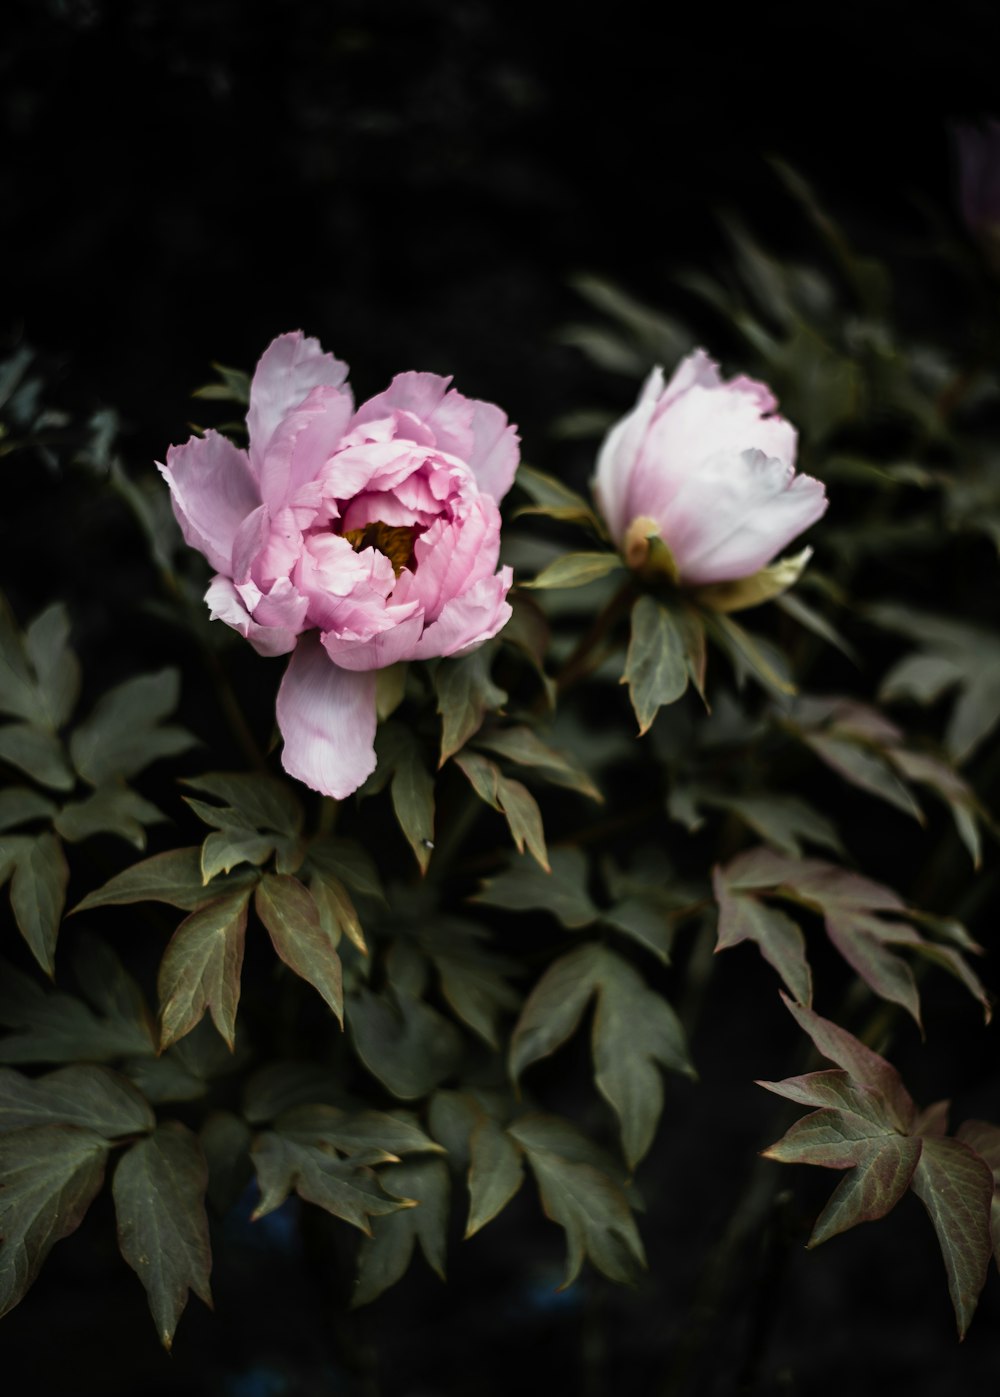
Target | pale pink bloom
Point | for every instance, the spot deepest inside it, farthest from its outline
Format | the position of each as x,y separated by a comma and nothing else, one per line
350,538
707,464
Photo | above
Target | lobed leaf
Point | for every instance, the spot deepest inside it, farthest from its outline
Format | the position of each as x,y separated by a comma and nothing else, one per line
289,913
656,666
385,1256
201,969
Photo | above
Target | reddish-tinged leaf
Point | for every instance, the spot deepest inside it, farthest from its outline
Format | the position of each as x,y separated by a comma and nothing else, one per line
858,940
778,938
955,1185
832,1089
872,1188
864,1067
832,1139
201,969
984,1138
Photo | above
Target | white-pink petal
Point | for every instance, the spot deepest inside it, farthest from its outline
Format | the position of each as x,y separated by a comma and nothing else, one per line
327,719
290,367
225,604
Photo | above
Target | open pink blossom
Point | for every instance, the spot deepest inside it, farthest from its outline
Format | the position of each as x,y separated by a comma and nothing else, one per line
352,538
706,465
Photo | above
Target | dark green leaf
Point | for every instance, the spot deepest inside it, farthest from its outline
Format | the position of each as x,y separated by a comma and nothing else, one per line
778,938
355,1132
85,1096
54,1027
385,1257
547,491
159,1191
465,694
225,1143
289,912
405,1043
56,667
18,694
576,570
349,862
344,1189
111,810
413,802
586,1202
20,804
226,849
173,877
656,669
524,746
38,753
563,892
865,769
37,891
496,1172
49,1175
122,735
201,969
249,801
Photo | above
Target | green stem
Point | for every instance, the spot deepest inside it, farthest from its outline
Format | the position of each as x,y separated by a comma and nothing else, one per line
580,662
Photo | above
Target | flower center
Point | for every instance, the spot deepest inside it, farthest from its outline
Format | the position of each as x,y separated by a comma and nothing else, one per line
394,540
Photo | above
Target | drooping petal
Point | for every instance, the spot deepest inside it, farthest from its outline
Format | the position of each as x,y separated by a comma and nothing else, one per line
618,455
225,604
468,620
302,444
732,517
288,369
327,718
212,490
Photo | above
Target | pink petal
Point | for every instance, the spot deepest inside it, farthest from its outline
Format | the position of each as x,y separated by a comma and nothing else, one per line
213,490
696,370
452,555
730,519
224,604
302,444
468,620
288,369
619,453
327,718
396,639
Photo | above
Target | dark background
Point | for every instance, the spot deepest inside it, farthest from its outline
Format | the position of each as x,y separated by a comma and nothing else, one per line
182,179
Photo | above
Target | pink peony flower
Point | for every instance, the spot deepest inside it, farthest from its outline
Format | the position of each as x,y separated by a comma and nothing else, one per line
702,463
350,538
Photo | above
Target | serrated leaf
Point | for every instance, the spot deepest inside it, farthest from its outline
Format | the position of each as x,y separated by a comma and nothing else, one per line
174,878
656,669
523,746
201,968
404,1042
496,1172
121,736
576,570
38,753
586,1202
91,1097
385,1257
342,1188
956,1187
159,1192
563,892
110,810
37,892
289,912
57,670
465,694
49,1175
253,801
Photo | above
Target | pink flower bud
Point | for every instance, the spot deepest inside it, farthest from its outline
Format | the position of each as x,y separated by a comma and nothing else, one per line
707,465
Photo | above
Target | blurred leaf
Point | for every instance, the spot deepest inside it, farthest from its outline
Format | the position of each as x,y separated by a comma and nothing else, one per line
49,1176
865,768
762,586
777,937
385,1257
551,495
37,890
159,1192
663,338
38,753
576,570
793,605
289,912
51,1026
84,1096
496,1172
347,861
465,694
56,667
984,1138
412,788
643,917
279,1086
784,821
112,809
403,1042
201,968
18,694
524,746
233,386
751,655
19,805
586,1202
173,877
344,1189
355,1132
122,734
563,892
511,798
225,1143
